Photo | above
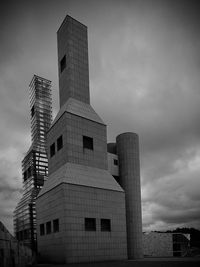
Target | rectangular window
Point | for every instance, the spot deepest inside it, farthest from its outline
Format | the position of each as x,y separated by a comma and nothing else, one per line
87,142
42,230
25,175
52,150
29,172
32,111
59,143
90,224
48,227
115,162
105,225
55,225
63,64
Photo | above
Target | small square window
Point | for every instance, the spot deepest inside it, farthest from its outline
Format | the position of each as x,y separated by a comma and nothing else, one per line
90,224
55,225
52,150
42,230
115,162
48,227
105,225
63,64
59,143
88,142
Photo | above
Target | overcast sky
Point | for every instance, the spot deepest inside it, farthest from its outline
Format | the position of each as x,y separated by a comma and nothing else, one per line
144,77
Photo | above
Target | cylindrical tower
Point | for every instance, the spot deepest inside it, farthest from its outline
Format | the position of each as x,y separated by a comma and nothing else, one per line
129,171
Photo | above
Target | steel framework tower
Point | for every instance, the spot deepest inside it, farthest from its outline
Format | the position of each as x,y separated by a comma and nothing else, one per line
35,162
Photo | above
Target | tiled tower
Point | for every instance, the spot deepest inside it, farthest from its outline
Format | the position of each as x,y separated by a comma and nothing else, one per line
129,179
35,163
81,208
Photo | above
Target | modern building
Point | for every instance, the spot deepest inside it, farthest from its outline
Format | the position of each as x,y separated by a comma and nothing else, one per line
13,252
35,162
166,244
89,209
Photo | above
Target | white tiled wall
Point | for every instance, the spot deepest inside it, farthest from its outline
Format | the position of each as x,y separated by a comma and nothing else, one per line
71,204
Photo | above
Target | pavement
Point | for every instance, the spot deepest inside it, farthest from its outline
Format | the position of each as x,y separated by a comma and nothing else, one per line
146,262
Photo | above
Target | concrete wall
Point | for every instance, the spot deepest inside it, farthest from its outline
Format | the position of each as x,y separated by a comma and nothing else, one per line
71,205
158,244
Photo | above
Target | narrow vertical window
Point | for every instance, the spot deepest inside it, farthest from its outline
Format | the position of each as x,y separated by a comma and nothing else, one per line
48,227
63,64
42,231
59,143
32,111
52,150
55,225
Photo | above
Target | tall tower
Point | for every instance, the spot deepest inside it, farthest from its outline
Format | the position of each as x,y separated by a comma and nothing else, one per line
77,218
35,163
129,179
73,61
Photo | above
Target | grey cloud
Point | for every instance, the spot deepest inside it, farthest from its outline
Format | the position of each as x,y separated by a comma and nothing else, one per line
144,77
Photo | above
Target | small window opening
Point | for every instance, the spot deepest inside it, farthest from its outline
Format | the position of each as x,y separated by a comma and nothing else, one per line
115,162
55,225
25,175
52,150
32,111
59,143
105,225
90,224
42,230
88,142
48,227
63,64
29,172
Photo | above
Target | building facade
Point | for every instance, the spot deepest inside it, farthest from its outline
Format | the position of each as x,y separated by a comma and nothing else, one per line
166,244
35,162
85,211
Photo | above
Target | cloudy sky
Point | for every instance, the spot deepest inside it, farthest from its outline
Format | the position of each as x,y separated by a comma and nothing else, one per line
144,77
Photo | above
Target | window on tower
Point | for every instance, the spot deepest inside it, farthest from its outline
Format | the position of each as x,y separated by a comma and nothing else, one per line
32,111
59,143
90,224
52,150
105,225
48,227
63,64
88,142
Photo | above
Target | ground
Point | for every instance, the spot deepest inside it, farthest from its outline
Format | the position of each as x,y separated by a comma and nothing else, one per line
147,262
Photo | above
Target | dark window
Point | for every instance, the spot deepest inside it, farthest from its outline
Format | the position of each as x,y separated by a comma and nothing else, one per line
29,172
63,64
115,162
42,231
105,225
87,142
48,227
55,225
59,143
25,175
52,150
32,111
90,224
